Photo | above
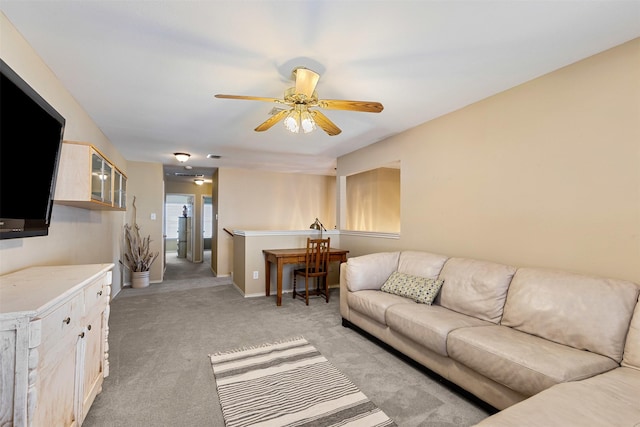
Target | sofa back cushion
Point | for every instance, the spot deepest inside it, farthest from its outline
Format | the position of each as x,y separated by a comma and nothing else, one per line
370,271
584,312
421,264
475,288
631,357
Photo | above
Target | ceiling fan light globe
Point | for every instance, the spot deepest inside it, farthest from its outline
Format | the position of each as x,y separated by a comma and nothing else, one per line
292,122
307,122
308,126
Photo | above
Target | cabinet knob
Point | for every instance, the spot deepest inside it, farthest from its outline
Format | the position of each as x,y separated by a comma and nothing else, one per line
89,327
81,335
67,320
99,293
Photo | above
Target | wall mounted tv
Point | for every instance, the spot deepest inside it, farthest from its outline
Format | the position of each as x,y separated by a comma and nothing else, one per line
30,142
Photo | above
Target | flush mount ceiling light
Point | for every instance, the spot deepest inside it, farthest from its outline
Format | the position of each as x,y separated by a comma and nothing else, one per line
198,181
182,157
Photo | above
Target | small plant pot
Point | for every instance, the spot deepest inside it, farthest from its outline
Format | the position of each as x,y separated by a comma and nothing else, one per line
139,279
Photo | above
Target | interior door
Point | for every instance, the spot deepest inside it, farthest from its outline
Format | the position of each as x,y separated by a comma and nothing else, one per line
207,224
189,228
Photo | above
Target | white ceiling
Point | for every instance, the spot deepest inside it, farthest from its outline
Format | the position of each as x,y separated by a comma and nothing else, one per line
147,71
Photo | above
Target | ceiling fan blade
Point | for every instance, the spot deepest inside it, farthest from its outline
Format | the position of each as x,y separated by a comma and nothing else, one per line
306,81
272,121
249,98
342,104
323,121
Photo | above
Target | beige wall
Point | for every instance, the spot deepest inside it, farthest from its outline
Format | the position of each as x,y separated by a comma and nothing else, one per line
248,257
373,200
146,184
256,200
545,174
76,236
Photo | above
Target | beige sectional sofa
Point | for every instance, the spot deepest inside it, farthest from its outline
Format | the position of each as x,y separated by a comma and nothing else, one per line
545,347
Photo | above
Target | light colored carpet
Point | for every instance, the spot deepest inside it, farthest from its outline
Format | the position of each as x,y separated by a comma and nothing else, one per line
161,336
181,269
289,383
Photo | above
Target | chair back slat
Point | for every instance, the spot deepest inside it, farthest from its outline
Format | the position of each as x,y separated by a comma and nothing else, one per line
317,256
316,267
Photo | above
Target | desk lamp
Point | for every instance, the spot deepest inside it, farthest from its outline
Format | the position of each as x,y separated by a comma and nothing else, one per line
317,225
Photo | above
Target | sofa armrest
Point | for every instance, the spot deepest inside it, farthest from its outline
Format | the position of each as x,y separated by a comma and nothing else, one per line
370,271
344,291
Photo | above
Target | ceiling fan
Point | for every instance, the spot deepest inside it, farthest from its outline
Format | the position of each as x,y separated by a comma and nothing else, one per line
301,98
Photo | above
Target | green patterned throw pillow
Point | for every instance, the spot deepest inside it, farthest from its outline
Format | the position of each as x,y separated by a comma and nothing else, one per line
419,289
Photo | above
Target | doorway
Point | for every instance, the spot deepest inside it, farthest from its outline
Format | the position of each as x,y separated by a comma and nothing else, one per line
178,226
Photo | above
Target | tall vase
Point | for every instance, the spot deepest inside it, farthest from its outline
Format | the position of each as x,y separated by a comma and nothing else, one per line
139,279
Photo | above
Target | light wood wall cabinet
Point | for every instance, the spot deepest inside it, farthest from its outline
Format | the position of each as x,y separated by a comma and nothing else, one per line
87,179
53,342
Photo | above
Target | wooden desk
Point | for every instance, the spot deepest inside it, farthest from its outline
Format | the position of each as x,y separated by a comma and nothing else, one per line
280,257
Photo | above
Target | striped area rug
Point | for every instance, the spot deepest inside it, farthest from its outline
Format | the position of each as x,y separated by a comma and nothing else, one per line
289,383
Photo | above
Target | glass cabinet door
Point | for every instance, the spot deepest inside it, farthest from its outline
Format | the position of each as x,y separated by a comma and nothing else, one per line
96,176
101,179
107,174
119,189
123,193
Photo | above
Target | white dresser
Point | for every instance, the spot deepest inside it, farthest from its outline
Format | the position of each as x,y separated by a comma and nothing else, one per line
53,343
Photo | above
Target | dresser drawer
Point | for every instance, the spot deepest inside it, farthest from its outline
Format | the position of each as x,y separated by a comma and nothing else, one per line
95,295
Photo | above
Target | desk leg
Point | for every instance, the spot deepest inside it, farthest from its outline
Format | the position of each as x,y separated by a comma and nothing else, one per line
267,277
279,274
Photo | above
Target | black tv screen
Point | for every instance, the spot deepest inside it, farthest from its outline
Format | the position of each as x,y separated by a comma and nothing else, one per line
30,142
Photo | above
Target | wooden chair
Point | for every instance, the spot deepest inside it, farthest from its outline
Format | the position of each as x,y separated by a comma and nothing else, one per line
316,266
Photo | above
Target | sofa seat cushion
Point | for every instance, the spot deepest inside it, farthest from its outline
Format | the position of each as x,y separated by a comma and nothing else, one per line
475,288
428,325
525,363
583,312
374,304
609,399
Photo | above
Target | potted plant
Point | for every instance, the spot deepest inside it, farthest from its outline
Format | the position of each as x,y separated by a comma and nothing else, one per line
138,254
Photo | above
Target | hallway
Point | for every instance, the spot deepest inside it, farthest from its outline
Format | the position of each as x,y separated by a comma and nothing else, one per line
181,268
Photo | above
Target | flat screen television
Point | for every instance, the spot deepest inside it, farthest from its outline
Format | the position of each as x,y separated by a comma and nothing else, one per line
30,143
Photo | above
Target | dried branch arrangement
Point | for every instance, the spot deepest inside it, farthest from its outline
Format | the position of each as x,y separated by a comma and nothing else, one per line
138,249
